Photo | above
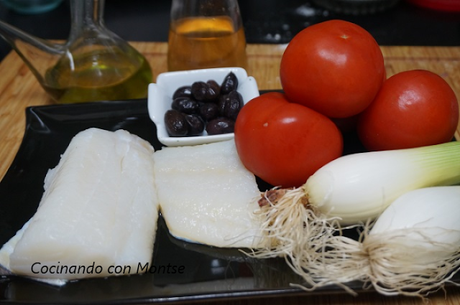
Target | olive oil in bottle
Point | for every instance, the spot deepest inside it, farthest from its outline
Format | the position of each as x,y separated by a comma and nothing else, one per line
94,63
98,75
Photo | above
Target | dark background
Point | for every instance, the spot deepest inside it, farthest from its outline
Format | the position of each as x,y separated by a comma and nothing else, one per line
265,21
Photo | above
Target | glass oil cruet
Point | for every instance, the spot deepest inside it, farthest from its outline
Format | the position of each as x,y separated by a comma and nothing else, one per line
94,64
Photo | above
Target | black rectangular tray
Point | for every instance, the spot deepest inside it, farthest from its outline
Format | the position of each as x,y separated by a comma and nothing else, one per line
209,273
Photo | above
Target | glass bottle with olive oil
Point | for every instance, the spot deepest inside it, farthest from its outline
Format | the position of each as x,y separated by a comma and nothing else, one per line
98,75
94,64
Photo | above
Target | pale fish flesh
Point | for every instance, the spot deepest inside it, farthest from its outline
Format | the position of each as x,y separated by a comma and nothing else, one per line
98,214
207,195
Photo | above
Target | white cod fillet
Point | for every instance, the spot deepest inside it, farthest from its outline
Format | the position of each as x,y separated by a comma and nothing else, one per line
207,195
99,208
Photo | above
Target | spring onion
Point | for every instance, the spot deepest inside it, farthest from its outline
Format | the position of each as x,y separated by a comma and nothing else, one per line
349,190
413,248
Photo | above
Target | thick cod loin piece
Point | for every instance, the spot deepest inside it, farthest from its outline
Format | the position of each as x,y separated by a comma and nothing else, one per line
207,195
98,214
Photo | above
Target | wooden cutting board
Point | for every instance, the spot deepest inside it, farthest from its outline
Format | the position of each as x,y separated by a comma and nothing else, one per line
19,88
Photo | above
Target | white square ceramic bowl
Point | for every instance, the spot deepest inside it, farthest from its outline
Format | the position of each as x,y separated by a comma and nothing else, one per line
160,99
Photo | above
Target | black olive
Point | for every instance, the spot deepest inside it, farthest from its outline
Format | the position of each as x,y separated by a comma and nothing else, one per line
223,100
199,90
213,91
184,91
196,124
229,83
185,105
209,111
233,104
220,126
204,105
176,124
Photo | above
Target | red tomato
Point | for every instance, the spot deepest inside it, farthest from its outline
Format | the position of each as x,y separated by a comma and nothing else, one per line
413,108
284,143
334,67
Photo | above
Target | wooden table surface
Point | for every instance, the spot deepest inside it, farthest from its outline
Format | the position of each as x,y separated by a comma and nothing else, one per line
19,89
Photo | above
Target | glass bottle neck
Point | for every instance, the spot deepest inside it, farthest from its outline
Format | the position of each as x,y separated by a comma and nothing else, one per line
86,15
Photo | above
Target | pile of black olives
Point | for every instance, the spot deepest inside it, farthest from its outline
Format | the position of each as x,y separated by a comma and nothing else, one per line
204,105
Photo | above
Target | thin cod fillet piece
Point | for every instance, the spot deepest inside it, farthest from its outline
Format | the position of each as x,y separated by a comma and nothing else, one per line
99,208
206,194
